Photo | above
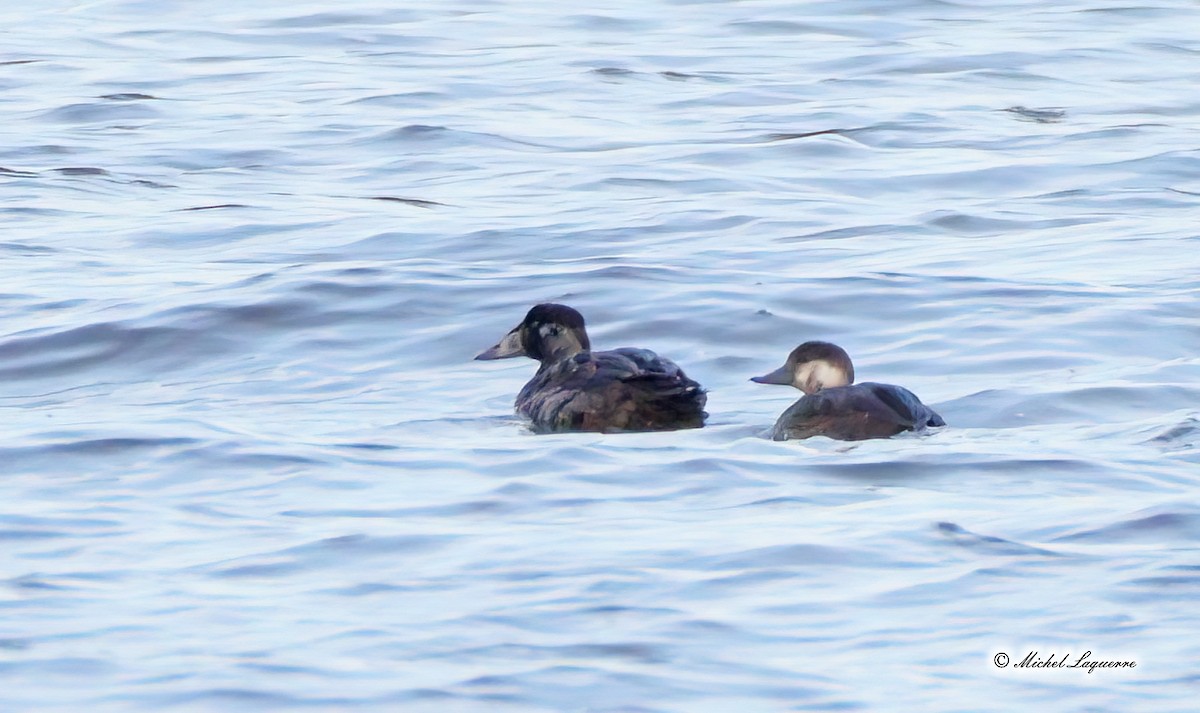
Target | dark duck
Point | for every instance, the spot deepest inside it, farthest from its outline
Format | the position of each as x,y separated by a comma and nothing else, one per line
835,407
577,389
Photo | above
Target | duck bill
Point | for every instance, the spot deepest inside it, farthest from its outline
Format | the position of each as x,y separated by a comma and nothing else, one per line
508,347
782,375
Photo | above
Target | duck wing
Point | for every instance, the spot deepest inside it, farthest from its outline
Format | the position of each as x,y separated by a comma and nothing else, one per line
905,405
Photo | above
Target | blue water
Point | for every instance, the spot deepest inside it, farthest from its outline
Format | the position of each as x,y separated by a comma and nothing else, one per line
250,248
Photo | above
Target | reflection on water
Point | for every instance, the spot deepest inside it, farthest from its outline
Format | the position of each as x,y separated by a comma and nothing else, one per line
250,250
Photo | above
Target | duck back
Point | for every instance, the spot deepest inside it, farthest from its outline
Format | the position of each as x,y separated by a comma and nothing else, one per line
855,413
610,391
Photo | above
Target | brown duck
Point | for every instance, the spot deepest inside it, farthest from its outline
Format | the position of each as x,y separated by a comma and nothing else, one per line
577,389
835,407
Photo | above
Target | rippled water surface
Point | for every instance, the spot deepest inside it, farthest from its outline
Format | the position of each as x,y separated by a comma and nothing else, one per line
249,250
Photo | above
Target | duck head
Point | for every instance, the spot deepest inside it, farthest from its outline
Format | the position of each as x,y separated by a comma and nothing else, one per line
813,366
548,333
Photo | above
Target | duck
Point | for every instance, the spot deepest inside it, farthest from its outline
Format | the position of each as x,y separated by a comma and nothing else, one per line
577,389
835,407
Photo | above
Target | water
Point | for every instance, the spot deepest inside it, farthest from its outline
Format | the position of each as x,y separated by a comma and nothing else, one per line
249,250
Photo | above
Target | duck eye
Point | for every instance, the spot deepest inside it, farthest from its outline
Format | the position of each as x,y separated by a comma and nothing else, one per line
549,330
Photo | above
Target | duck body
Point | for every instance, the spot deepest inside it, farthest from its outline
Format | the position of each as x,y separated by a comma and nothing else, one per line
576,389
856,412
618,390
835,407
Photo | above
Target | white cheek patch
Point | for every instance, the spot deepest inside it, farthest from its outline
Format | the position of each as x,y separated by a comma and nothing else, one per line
819,375
828,376
803,374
